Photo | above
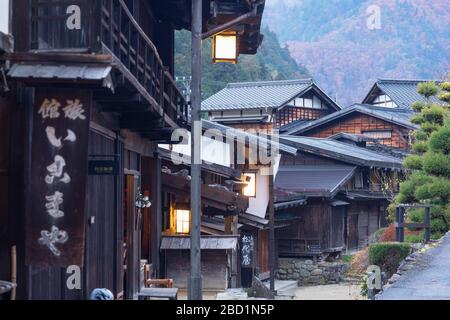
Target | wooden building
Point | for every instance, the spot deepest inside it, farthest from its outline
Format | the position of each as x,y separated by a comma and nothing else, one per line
396,93
268,106
91,95
345,202
389,127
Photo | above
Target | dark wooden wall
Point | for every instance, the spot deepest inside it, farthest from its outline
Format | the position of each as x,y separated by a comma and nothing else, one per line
214,268
368,221
288,115
5,140
104,237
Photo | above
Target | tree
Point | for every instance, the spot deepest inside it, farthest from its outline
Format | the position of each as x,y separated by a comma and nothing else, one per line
429,166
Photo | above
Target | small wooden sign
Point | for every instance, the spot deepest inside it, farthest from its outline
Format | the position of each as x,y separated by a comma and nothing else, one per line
59,155
103,167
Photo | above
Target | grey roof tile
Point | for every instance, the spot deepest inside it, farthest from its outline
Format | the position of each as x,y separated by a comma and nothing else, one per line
402,92
344,152
313,180
256,95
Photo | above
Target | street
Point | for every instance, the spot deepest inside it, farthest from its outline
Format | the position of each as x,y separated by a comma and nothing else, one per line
429,280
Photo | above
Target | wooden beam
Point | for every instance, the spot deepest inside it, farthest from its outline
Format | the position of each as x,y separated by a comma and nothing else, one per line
57,57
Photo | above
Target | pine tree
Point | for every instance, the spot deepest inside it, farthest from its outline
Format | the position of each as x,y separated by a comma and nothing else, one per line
429,167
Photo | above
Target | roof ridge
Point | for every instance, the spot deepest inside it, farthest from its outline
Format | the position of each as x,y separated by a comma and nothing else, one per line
270,83
378,108
406,80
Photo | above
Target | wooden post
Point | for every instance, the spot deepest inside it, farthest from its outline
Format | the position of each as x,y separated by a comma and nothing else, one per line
427,223
402,221
397,219
272,258
195,280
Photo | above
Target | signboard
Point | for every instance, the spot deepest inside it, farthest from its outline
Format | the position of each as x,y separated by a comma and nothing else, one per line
56,217
103,167
247,250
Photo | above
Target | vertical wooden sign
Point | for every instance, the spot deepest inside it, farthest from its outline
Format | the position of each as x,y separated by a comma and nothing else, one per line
247,250
59,156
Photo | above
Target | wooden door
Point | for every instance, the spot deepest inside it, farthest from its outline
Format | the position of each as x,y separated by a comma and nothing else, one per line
337,227
352,236
133,238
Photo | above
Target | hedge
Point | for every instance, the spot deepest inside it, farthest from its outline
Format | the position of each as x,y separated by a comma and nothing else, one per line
388,256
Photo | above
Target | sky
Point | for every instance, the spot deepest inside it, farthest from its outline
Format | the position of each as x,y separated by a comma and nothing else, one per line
4,13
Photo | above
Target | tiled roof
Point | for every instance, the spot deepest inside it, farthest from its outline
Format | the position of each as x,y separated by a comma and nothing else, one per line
257,95
402,92
313,180
401,117
343,152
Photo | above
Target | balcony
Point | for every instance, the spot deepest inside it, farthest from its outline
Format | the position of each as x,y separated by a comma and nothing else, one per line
82,30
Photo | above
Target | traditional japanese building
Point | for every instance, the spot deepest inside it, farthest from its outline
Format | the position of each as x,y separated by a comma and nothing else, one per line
396,93
268,106
87,97
387,126
339,193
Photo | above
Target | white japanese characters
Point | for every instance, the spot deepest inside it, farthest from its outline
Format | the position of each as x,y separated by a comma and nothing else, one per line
247,250
56,175
56,171
57,142
50,239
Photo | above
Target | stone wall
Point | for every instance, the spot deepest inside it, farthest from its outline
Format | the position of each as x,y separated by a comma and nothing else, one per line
308,272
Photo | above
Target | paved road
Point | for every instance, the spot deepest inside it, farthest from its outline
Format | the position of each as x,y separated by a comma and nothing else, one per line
430,280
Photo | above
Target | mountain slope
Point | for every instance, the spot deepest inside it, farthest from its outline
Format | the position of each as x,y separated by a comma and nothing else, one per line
272,62
332,39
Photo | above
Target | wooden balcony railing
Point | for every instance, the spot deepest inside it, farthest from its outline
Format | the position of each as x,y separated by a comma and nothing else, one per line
299,247
125,39
108,25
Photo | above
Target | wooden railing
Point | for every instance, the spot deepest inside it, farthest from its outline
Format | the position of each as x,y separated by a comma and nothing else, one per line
123,36
108,24
299,247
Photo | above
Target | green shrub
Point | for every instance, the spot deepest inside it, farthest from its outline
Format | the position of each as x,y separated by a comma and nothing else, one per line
413,163
440,140
437,164
434,114
421,136
418,106
415,238
388,256
420,147
427,89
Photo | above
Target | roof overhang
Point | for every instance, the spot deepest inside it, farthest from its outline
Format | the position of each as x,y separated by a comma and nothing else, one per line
84,74
303,128
225,201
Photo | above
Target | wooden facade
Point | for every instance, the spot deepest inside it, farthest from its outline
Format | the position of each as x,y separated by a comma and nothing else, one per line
143,88
395,136
291,114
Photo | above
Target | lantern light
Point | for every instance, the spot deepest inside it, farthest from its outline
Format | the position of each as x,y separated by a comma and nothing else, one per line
225,47
183,221
250,188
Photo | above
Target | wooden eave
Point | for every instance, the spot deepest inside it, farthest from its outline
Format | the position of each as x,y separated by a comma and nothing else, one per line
225,201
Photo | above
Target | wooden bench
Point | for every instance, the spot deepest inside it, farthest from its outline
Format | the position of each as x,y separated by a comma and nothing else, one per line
151,288
158,293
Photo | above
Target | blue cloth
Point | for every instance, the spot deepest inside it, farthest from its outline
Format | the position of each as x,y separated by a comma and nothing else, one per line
101,294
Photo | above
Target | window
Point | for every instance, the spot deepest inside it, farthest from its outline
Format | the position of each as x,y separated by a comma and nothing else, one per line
380,134
384,101
183,221
250,188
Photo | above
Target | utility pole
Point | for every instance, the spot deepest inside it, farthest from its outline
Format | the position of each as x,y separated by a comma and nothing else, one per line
272,258
195,281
